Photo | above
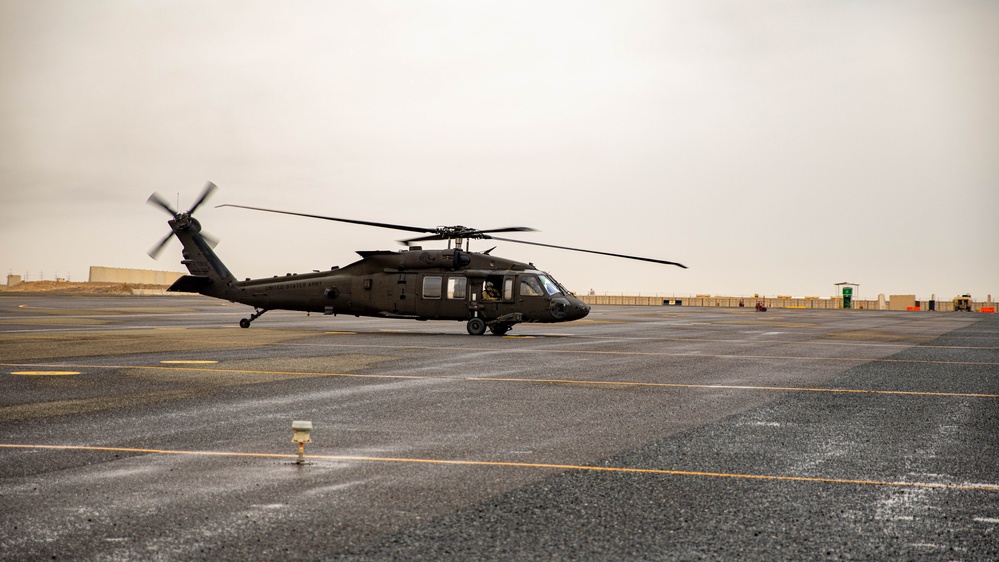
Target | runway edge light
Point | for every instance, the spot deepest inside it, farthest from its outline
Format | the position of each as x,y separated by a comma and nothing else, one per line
301,434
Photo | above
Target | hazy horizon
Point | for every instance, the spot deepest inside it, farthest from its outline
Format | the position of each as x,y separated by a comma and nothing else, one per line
772,147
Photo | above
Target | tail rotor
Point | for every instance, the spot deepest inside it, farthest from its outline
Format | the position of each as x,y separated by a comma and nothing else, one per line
181,220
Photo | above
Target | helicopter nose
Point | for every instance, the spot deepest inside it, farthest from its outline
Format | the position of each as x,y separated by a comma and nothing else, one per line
568,308
579,309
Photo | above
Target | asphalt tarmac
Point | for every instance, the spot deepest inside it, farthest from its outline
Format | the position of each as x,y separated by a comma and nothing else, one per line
154,428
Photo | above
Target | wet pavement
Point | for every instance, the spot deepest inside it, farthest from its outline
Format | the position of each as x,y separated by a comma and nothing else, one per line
155,428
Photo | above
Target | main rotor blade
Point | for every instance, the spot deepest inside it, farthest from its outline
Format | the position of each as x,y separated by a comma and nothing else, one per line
209,189
449,234
422,239
351,221
155,250
507,229
652,260
155,199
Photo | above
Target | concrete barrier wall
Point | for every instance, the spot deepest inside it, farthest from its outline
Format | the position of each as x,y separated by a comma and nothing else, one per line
137,276
750,302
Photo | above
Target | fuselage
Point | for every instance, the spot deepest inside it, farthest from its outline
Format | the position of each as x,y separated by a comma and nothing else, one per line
415,283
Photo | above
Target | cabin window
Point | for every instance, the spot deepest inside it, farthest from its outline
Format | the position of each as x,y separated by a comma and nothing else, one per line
491,288
432,286
456,287
530,287
508,289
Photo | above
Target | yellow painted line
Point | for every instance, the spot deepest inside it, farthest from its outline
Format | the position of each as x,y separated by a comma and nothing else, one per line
187,362
574,382
604,352
835,343
341,333
650,353
549,466
45,373
246,343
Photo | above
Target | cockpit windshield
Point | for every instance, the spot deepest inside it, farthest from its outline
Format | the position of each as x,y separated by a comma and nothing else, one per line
550,286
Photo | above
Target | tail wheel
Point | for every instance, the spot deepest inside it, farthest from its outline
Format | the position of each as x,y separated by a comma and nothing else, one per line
476,326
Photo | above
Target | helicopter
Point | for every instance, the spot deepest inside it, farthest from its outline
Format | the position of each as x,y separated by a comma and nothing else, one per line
482,290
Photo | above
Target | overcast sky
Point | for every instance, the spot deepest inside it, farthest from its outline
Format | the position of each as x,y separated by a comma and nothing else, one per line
774,147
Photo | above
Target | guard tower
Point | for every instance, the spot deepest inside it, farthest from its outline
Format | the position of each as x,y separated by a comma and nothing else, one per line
848,291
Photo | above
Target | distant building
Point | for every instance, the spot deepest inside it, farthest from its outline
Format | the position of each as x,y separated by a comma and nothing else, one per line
100,274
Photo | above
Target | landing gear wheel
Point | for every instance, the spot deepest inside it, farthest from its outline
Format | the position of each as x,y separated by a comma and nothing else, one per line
245,322
499,329
476,326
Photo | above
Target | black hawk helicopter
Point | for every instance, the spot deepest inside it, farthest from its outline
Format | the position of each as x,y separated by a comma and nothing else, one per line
485,291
